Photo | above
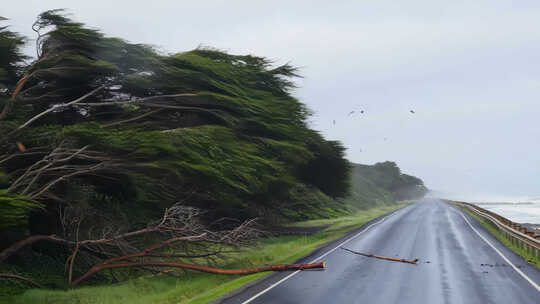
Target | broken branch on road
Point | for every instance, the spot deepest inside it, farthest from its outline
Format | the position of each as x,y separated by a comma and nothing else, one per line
381,257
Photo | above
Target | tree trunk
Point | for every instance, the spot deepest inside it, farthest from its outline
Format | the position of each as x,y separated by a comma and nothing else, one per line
101,267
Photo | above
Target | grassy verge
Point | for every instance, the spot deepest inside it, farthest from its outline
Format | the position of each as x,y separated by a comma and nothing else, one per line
194,287
494,230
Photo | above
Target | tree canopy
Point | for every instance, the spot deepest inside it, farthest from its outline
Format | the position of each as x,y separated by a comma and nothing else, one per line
384,183
121,129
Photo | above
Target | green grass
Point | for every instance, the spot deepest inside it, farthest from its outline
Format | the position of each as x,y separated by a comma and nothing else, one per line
193,287
340,223
494,230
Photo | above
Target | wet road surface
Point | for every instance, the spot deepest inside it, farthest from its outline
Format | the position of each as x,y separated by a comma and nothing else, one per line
456,265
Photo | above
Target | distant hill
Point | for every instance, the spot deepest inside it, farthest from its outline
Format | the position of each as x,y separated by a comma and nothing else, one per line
381,184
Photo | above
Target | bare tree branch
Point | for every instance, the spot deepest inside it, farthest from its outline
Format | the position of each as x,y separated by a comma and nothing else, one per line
4,254
55,108
62,163
369,255
178,231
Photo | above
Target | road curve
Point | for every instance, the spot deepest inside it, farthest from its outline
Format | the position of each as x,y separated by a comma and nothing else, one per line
456,265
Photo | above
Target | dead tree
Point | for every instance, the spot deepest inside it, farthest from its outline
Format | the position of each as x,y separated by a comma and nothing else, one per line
61,163
178,236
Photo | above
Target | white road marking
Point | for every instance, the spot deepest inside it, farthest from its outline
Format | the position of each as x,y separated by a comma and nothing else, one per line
318,258
504,258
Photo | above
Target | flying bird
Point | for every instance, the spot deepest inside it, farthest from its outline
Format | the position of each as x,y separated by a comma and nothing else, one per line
362,111
412,111
351,113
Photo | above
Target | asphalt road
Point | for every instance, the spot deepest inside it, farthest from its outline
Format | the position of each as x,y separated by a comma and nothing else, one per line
456,265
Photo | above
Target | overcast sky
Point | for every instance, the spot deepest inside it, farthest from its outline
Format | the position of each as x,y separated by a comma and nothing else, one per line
470,71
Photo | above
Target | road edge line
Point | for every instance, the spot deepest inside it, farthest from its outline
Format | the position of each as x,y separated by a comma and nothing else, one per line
318,258
502,255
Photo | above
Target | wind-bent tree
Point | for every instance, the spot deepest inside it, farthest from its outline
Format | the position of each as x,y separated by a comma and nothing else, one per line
97,126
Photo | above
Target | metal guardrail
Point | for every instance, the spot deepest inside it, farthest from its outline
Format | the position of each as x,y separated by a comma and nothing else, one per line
514,232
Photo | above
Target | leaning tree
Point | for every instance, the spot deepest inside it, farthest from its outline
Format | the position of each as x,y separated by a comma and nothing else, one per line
99,128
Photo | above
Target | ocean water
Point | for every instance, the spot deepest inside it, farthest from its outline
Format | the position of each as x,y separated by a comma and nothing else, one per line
526,212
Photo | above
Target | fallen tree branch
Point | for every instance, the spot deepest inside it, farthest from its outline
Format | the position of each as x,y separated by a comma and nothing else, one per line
176,219
18,277
4,254
28,241
279,267
381,257
155,247
184,234
191,256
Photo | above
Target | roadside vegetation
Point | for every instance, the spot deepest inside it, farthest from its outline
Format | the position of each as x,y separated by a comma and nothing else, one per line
192,287
530,257
381,183
114,152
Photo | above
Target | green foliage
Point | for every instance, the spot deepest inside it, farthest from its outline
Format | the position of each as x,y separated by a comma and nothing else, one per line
212,129
41,268
365,193
382,183
15,210
4,180
389,177
212,154
310,203
328,170
11,58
